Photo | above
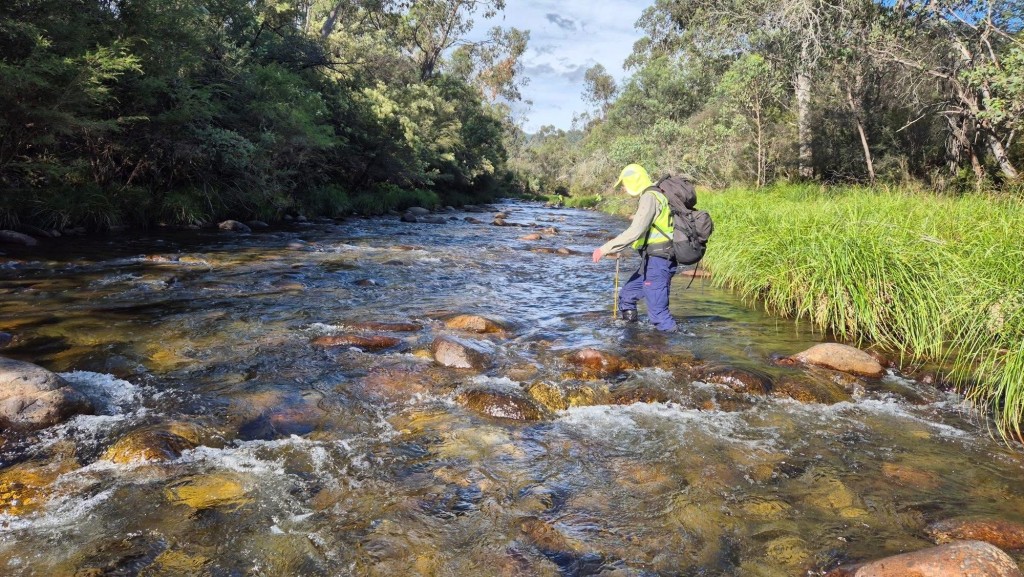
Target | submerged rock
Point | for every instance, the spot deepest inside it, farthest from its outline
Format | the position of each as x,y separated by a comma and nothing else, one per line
370,343
148,444
595,364
459,353
32,397
806,389
475,324
391,327
998,532
533,236
739,380
958,559
221,490
26,486
841,357
501,404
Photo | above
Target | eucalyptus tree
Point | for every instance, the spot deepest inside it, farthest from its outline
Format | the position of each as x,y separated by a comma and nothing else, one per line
754,89
973,48
599,87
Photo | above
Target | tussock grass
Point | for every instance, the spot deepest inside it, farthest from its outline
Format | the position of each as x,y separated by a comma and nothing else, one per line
933,277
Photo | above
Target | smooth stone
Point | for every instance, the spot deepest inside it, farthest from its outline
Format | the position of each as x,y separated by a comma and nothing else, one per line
234,226
459,353
32,397
842,358
25,487
472,220
1001,533
475,323
501,404
13,237
418,211
957,559
148,444
409,217
371,343
739,380
806,389
533,236
595,364
217,490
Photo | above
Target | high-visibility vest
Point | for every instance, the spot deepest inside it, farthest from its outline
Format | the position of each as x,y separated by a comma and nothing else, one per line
663,222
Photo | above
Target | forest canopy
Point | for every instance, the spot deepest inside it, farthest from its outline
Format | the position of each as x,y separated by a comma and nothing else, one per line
137,112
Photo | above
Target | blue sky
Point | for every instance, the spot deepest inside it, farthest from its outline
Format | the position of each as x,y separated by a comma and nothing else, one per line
566,38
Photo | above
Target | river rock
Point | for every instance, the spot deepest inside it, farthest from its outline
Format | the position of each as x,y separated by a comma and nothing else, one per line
739,380
257,225
217,490
418,211
806,389
234,226
595,364
476,324
460,353
26,486
32,397
503,404
12,237
389,327
370,343
499,222
148,444
472,220
409,217
630,395
433,219
957,559
533,236
842,358
1001,533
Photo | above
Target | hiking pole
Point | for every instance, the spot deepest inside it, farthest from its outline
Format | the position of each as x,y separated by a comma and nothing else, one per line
615,295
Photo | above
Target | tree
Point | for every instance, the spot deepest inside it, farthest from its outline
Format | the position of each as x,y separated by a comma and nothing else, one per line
752,86
599,87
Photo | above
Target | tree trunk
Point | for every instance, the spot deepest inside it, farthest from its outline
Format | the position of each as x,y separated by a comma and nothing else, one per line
858,118
803,116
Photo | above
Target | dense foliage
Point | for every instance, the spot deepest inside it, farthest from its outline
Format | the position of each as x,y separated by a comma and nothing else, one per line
133,112
847,91
913,272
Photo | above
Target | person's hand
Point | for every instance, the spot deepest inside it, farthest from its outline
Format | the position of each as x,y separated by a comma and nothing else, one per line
597,254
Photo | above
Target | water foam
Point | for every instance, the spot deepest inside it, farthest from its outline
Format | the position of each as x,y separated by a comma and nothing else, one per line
109,394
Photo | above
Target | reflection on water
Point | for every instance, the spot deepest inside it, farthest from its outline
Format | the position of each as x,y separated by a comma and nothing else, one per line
296,459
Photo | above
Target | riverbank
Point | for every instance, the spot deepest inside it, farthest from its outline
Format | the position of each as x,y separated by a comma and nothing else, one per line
936,278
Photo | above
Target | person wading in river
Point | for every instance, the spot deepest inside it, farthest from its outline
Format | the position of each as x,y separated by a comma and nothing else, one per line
653,278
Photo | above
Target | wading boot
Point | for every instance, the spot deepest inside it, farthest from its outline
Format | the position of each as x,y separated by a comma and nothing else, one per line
629,315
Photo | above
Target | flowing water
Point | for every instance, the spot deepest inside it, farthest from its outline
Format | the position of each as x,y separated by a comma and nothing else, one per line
313,460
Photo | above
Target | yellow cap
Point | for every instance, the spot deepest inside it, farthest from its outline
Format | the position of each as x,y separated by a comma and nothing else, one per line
635,179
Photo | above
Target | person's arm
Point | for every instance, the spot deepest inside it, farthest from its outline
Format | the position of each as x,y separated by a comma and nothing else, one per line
646,212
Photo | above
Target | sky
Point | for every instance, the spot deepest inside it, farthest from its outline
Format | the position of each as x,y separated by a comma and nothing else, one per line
566,38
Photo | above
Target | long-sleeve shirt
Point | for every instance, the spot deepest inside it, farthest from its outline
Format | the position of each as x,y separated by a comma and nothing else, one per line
646,212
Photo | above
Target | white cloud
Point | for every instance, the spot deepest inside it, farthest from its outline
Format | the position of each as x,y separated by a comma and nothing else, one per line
566,38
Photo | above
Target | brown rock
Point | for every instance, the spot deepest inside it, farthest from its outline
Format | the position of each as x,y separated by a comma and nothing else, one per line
958,559
234,226
475,323
533,236
501,404
595,364
841,357
472,220
32,397
148,444
548,539
459,353
548,395
998,532
371,343
915,478
737,379
390,327
26,486
638,394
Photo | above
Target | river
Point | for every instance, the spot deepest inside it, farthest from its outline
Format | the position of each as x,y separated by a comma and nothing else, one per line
333,460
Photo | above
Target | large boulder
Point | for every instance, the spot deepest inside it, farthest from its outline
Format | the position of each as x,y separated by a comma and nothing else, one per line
958,559
32,397
842,358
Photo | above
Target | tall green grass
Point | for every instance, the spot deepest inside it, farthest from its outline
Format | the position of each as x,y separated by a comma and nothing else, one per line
932,277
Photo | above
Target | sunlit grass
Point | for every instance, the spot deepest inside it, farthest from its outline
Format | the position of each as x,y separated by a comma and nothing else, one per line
932,277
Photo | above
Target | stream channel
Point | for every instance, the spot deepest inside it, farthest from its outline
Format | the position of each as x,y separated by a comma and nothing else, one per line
283,457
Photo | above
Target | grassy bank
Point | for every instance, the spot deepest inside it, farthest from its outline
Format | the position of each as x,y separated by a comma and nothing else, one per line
933,277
